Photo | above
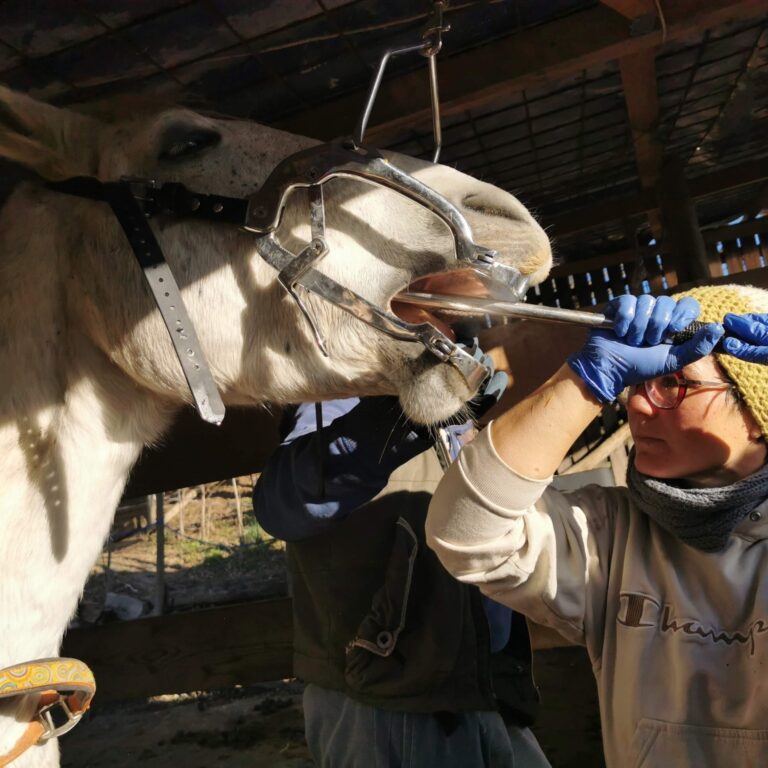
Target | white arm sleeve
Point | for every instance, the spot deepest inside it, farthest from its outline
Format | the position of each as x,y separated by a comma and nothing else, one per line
543,553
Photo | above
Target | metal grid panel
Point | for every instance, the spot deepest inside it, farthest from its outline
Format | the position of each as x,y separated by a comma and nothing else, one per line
552,145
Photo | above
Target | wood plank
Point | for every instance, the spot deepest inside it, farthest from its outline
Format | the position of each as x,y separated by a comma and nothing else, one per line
195,452
683,241
550,51
200,650
746,230
638,78
194,651
626,256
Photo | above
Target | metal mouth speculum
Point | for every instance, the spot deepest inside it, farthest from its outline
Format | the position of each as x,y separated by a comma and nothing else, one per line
314,167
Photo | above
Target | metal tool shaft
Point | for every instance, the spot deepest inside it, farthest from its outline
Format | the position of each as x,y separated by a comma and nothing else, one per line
470,305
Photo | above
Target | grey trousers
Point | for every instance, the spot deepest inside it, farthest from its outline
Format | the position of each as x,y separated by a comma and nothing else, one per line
342,733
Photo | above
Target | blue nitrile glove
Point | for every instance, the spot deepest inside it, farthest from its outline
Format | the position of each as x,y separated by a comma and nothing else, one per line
747,337
630,353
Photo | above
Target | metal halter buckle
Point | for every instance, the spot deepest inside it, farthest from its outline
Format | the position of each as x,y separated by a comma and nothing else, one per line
57,719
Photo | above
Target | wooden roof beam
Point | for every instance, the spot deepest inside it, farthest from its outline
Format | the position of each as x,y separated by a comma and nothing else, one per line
638,77
491,72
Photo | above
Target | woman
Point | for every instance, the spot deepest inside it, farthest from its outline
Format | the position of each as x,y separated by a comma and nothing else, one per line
666,581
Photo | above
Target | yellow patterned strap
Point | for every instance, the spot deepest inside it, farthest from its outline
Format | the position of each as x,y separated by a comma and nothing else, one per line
47,675
65,686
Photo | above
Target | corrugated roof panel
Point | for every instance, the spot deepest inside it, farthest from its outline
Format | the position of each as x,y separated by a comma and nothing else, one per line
304,45
38,79
227,70
258,102
117,58
8,57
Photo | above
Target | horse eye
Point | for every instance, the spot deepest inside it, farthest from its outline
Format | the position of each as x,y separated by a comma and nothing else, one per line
180,146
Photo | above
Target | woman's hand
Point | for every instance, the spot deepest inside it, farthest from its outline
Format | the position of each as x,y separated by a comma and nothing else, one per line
634,350
747,337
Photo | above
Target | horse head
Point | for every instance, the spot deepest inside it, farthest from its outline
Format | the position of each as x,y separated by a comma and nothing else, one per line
258,344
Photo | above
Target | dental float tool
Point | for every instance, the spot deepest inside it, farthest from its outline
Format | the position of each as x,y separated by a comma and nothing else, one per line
471,305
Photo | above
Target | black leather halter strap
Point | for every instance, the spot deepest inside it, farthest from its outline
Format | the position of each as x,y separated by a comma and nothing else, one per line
170,198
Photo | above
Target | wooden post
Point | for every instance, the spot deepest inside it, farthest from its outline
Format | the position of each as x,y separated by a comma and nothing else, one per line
180,502
159,607
240,532
682,235
203,514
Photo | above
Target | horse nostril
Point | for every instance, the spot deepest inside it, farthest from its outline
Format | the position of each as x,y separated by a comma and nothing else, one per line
496,202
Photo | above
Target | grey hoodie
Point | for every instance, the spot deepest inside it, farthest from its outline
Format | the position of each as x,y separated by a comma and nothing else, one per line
678,638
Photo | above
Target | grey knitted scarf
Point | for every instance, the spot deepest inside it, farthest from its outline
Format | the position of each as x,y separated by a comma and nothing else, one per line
701,517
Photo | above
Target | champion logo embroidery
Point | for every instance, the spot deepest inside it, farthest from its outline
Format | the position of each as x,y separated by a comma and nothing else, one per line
638,611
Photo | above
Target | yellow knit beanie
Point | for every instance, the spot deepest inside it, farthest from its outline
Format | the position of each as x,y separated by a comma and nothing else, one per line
751,379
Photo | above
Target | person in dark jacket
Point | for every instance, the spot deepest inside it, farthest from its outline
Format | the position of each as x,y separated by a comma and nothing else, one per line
403,665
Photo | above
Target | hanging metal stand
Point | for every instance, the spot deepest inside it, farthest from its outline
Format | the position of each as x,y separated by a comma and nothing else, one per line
430,45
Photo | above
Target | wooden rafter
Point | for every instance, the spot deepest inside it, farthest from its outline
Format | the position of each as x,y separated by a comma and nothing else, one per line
638,78
489,73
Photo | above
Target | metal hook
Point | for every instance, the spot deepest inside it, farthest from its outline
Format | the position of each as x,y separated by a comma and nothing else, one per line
430,45
434,28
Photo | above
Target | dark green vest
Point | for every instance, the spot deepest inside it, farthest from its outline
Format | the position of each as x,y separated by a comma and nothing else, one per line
377,617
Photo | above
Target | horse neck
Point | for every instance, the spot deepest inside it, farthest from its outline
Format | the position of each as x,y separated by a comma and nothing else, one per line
71,426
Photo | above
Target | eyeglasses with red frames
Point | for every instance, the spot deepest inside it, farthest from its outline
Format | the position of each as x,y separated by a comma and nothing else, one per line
668,391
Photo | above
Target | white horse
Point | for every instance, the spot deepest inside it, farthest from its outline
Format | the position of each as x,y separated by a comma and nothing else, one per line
87,373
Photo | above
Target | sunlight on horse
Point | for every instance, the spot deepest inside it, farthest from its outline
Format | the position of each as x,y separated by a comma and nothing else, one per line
87,369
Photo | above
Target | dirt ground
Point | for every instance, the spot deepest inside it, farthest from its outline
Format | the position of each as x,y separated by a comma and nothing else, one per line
258,727
211,557
262,726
